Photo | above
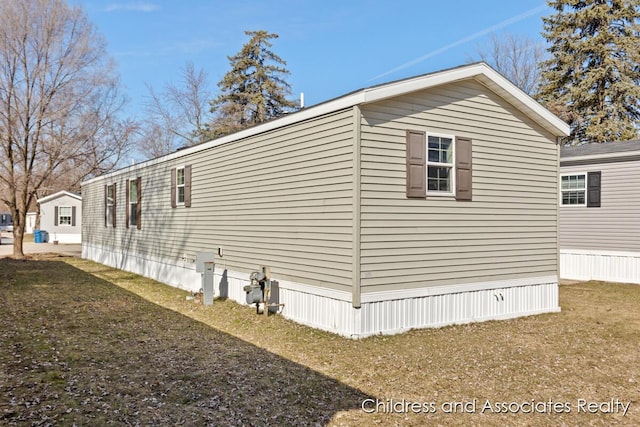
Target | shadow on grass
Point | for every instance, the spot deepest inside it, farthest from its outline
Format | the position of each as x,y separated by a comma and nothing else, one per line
75,349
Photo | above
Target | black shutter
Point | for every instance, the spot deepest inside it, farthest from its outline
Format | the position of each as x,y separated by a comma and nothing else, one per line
416,164
106,204
593,189
115,210
55,215
126,209
73,216
139,205
463,168
187,186
173,188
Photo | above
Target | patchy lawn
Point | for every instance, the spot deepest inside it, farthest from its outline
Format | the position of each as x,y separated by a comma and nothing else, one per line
86,344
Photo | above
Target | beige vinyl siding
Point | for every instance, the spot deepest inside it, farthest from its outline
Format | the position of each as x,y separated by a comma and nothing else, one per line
614,226
507,231
281,199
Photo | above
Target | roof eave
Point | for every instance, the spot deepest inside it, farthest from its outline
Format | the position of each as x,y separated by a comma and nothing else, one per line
479,71
58,194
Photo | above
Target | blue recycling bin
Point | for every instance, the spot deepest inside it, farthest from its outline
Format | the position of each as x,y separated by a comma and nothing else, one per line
37,236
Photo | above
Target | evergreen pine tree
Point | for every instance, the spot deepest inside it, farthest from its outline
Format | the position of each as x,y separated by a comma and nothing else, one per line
592,79
253,91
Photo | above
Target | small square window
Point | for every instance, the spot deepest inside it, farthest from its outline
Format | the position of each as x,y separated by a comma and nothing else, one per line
64,215
573,190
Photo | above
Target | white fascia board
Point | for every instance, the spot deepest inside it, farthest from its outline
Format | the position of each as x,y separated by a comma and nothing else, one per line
619,155
58,194
521,100
338,104
511,92
526,104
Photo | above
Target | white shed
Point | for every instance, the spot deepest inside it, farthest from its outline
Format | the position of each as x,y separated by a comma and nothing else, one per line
61,217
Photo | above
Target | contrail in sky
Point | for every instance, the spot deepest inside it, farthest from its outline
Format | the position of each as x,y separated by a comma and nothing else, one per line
474,36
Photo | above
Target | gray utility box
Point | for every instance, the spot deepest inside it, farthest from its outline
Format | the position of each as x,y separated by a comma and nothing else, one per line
205,264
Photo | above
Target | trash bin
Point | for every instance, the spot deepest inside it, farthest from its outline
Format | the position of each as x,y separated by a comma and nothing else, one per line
45,236
37,236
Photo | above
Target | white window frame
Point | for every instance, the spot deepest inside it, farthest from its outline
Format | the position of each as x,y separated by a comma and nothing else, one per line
451,165
561,191
133,201
178,202
111,211
60,216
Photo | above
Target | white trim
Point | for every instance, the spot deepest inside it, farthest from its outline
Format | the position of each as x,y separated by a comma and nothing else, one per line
482,72
560,190
70,216
175,189
617,155
451,165
600,252
331,310
458,288
59,194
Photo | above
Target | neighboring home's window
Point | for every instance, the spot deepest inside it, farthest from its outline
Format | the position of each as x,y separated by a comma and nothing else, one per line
134,203
110,205
440,161
180,186
580,189
64,215
573,189
438,165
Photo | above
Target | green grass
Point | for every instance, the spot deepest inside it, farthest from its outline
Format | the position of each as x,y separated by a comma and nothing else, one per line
86,344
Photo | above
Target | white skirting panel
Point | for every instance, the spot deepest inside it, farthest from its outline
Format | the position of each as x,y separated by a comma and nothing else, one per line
610,266
331,310
65,238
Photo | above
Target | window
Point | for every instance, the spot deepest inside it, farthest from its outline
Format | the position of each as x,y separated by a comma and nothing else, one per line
180,186
440,164
573,189
64,215
110,205
133,202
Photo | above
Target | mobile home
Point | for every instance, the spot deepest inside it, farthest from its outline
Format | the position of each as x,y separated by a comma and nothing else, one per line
60,216
600,212
417,203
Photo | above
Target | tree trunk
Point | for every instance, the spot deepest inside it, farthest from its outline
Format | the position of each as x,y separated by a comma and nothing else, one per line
19,223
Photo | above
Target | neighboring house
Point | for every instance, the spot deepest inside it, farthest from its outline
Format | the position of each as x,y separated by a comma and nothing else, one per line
600,212
6,221
61,217
417,203
31,222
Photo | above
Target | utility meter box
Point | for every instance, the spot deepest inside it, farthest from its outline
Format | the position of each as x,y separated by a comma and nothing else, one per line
201,258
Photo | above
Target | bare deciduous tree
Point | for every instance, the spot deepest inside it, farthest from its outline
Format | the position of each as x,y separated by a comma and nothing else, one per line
177,116
58,100
515,57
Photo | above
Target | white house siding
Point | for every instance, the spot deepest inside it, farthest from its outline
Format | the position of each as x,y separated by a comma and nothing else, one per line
61,233
281,199
603,243
505,238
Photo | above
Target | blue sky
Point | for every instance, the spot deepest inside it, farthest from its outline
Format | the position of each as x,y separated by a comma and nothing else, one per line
331,47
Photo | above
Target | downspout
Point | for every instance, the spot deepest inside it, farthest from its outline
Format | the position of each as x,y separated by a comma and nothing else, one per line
355,255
